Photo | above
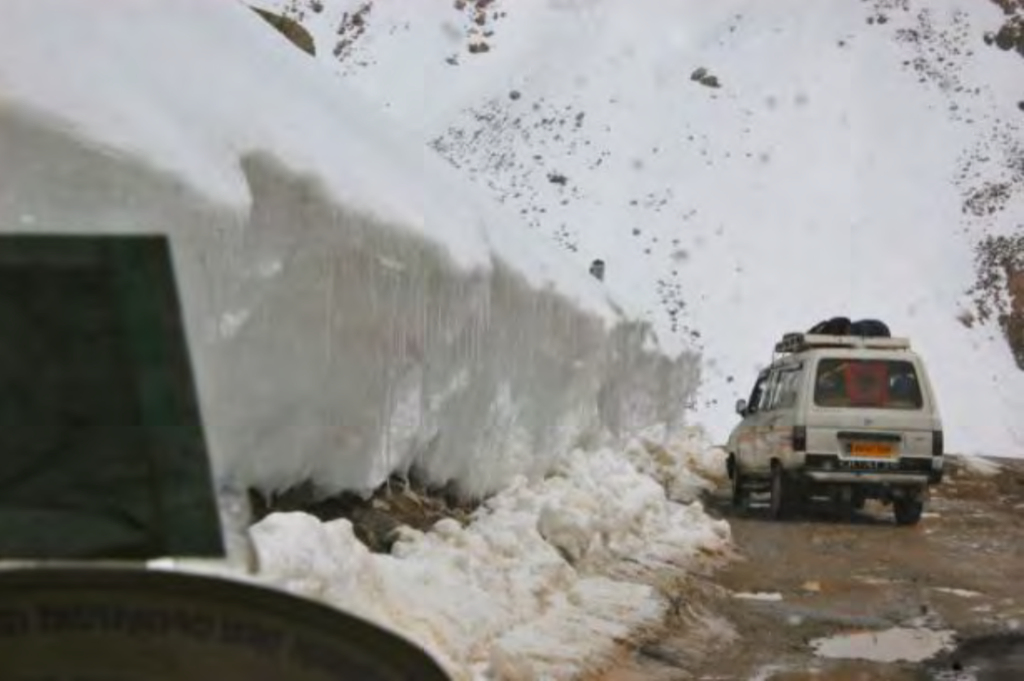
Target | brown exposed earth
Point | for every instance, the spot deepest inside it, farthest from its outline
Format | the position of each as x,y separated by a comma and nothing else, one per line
825,574
291,29
1010,35
376,518
998,291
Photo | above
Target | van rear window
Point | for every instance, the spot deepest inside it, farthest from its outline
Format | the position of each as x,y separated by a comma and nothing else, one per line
878,384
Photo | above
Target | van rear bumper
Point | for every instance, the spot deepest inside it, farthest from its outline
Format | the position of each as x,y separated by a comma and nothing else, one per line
868,477
906,470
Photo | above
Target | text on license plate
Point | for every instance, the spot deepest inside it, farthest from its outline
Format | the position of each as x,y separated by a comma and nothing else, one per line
877,449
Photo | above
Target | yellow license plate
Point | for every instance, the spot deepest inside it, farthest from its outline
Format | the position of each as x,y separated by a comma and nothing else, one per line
875,449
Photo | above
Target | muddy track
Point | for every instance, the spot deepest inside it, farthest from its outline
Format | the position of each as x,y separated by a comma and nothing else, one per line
958,575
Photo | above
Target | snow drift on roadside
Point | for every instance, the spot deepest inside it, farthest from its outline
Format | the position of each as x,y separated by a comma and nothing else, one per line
522,591
353,307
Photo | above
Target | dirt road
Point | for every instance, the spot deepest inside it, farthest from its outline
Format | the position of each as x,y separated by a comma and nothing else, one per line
824,585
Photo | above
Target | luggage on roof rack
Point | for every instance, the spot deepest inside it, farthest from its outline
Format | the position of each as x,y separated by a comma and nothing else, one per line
798,342
870,328
836,326
842,326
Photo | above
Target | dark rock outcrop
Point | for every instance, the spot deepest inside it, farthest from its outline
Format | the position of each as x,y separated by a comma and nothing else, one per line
290,29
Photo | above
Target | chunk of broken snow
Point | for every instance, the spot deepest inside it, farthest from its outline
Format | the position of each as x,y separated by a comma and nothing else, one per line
963,593
980,465
758,595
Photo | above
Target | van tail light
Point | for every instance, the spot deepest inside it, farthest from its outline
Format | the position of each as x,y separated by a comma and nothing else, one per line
799,438
937,444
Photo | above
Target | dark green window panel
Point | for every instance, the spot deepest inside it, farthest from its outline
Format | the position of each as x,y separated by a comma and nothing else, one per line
102,453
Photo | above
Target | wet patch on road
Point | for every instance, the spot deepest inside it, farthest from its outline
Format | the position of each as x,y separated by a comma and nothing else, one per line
899,644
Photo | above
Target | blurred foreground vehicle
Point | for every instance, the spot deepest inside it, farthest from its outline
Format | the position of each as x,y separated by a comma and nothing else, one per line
104,478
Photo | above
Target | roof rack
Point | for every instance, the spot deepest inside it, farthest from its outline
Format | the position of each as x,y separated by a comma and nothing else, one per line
798,342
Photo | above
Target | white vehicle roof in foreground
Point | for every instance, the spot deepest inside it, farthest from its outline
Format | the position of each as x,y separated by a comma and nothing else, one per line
799,342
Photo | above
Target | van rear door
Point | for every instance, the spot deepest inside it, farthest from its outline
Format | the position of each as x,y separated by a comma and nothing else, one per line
871,408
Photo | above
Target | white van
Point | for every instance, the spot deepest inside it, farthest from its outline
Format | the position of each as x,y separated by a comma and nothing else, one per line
844,416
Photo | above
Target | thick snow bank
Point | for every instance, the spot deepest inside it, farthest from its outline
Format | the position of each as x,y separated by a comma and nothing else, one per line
523,591
353,310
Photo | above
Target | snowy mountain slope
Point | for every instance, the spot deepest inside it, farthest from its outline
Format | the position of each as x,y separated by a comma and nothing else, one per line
851,159
354,308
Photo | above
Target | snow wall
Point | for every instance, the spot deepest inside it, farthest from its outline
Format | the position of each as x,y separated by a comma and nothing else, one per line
332,341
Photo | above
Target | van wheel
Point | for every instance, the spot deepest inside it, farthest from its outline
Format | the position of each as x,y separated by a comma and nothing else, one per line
739,494
907,510
782,494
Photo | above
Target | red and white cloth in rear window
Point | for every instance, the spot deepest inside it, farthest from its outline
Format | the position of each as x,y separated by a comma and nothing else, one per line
879,384
867,383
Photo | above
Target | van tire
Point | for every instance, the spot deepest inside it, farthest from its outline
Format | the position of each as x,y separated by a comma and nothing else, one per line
739,494
907,510
781,494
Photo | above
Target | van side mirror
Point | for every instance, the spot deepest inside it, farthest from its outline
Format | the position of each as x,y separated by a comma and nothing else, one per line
741,407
